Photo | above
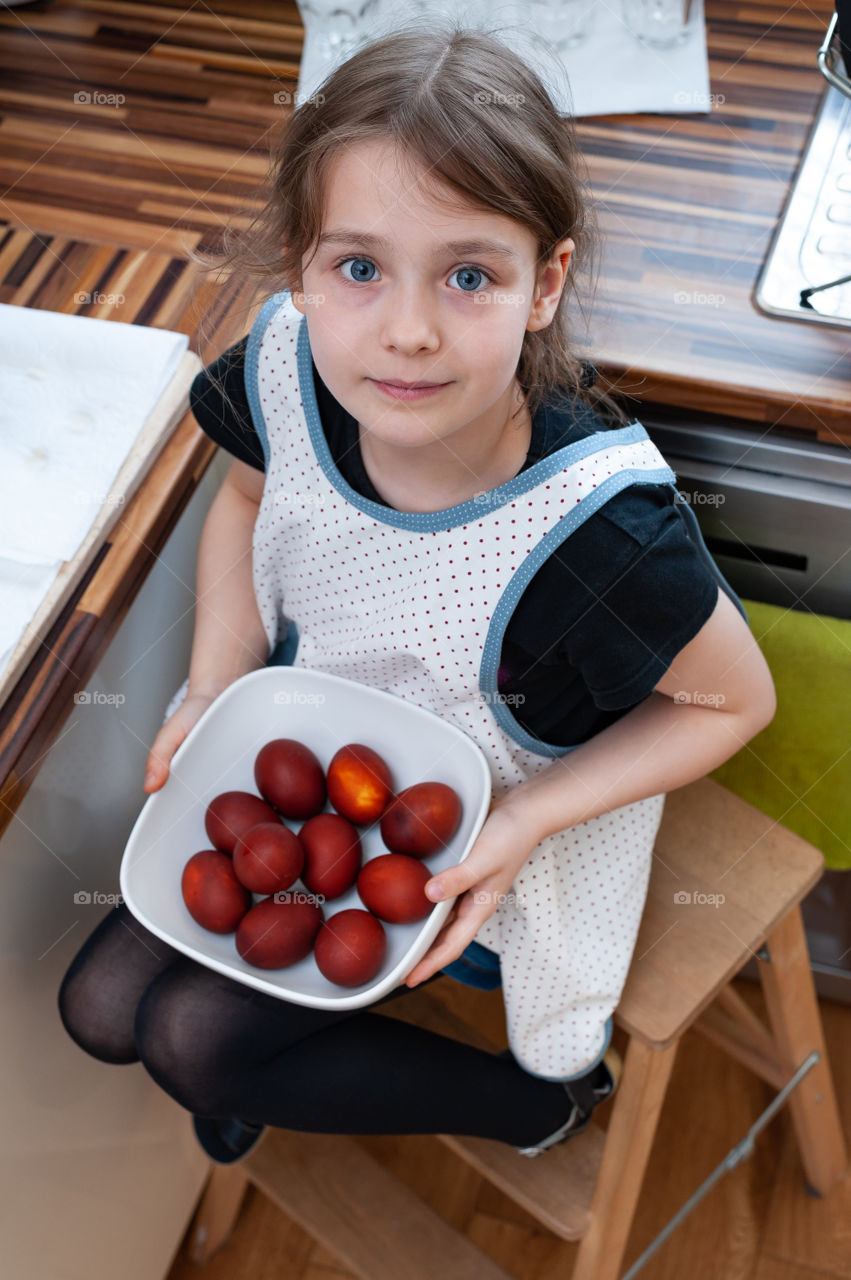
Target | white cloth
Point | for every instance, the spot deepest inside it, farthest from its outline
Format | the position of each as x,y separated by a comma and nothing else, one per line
75,394
417,604
610,72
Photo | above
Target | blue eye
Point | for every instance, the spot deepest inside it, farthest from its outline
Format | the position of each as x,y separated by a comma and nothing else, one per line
470,271
362,262
363,272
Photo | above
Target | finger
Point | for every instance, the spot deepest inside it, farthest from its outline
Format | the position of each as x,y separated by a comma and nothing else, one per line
165,744
453,881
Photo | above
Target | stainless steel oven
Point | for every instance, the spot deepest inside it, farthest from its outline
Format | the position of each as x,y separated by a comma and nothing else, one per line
775,512
807,273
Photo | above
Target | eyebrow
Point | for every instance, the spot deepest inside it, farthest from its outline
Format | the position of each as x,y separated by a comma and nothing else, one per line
458,248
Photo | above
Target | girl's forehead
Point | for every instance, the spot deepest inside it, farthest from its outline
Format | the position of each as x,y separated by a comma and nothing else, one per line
372,185
379,167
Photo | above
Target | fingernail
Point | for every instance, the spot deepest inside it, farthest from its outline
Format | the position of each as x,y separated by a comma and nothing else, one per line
434,889
149,777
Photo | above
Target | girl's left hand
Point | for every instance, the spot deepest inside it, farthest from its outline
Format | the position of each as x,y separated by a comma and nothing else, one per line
502,846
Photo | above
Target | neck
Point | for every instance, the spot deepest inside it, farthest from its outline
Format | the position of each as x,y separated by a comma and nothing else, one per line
450,471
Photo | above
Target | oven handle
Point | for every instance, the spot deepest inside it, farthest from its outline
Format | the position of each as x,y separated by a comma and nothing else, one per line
830,58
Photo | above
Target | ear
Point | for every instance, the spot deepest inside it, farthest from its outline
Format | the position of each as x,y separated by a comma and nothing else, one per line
550,284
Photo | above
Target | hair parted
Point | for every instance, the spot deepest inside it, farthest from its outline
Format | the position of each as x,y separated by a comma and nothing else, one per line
478,118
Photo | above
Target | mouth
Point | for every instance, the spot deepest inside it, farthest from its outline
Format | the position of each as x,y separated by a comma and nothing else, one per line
400,390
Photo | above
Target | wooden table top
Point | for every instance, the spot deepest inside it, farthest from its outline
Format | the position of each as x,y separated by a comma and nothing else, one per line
104,199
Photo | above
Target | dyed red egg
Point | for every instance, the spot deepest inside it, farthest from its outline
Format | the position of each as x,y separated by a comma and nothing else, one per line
393,887
269,857
332,854
278,931
231,814
421,819
350,947
213,895
359,783
290,777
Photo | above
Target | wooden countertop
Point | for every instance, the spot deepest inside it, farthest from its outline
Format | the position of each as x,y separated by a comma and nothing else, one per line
104,201
688,205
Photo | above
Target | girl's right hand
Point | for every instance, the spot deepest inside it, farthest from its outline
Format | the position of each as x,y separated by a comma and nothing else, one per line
170,737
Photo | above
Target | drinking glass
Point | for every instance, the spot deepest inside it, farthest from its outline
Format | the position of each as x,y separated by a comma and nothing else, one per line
565,24
662,24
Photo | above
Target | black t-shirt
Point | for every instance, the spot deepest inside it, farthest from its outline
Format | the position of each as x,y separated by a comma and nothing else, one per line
604,616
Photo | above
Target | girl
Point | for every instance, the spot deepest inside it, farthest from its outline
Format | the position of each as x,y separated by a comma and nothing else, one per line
431,495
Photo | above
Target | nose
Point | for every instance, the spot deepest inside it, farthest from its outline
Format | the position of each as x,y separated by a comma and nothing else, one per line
409,322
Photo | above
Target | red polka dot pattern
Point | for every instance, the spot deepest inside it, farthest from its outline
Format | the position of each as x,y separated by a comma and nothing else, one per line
408,611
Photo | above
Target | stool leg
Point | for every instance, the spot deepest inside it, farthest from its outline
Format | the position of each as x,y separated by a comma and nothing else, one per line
629,1137
793,1011
218,1210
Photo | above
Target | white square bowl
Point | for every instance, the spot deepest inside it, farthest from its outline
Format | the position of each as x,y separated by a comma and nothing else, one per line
325,712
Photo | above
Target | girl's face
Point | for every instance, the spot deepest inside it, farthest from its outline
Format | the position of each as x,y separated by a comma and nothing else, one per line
403,288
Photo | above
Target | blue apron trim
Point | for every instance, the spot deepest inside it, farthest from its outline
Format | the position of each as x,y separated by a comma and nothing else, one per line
465,512
585,1070
252,365
477,966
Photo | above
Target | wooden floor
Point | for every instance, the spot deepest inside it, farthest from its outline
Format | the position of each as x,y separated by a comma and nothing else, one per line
109,201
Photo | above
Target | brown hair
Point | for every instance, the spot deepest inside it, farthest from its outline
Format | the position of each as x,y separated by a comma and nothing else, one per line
480,120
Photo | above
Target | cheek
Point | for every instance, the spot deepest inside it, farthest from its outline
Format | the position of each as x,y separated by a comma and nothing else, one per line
497,344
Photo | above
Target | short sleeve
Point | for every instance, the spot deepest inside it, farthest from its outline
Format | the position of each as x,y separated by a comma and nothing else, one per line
657,602
219,402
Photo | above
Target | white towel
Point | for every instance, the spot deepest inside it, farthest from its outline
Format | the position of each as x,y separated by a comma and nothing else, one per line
74,394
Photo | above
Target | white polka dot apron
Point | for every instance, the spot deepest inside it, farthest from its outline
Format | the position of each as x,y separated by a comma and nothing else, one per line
418,604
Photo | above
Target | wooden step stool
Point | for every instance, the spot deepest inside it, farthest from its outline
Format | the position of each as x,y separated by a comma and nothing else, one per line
710,842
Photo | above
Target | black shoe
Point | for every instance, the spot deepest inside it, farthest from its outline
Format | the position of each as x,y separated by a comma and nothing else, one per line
226,1139
585,1094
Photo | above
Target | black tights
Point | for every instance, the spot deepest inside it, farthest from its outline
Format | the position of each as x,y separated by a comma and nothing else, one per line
221,1048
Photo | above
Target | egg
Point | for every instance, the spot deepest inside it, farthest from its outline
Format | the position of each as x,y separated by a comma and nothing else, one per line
213,895
268,858
233,813
421,819
332,854
278,931
359,783
393,887
290,777
350,947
